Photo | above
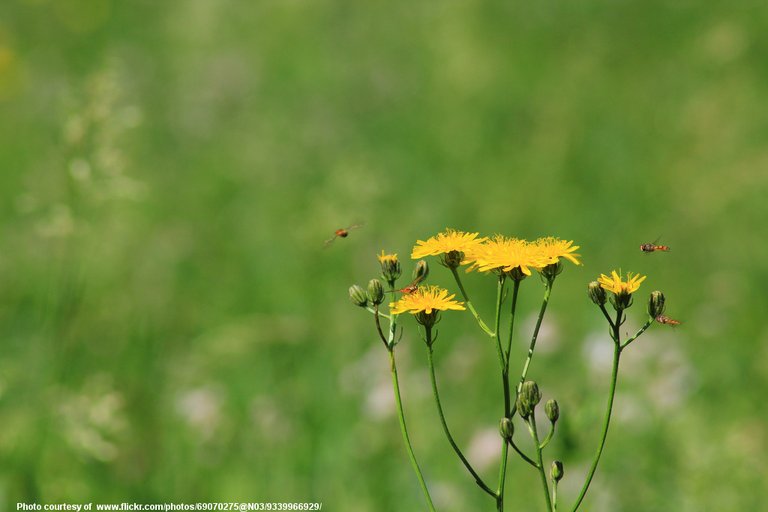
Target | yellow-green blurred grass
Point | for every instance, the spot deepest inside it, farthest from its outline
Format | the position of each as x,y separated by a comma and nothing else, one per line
194,303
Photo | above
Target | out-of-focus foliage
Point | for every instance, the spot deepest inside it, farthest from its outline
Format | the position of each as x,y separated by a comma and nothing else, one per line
171,328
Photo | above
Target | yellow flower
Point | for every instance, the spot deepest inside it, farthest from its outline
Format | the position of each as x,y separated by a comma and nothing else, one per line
449,240
426,299
552,249
506,254
617,286
390,259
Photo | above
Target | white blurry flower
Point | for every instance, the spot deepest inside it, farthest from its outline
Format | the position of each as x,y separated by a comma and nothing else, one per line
201,409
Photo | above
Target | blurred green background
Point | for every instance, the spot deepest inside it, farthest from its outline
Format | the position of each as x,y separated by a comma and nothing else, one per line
172,329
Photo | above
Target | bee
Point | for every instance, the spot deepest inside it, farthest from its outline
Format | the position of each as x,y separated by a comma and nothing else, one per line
653,247
665,320
342,233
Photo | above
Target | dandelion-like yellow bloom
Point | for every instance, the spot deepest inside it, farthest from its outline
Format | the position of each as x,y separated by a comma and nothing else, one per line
426,299
387,258
552,249
616,285
445,242
506,254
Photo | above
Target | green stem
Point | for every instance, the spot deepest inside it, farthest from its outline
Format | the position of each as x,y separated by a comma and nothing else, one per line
471,307
540,462
609,408
447,431
505,370
524,456
554,495
638,333
376,311
404,431
532,346
547,439
502,477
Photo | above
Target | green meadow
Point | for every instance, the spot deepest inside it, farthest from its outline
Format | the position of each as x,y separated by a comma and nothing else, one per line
172,328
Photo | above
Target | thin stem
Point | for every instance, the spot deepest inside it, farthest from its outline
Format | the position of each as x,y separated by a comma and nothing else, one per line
505,385
469,304
372,310
524,456
609,407
638,333
447,431
378,327
532,346
515,289
502,477
499,349
607,316
404,431
505,369
547,439
540,463
554,495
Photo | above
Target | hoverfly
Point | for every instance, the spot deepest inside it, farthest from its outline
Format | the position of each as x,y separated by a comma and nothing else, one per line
341,233
665,320
652,247
412,287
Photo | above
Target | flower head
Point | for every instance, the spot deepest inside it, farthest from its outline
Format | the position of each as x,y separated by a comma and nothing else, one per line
552,249
503,254
390,267
450,245
616,285
386,258
622,290
426,299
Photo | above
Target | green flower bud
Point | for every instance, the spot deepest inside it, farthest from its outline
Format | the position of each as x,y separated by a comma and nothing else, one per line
452,259
656,304
375,292
420,272
552,410
531,393
557,471
357,296
596,293
523,407
506,428
552,270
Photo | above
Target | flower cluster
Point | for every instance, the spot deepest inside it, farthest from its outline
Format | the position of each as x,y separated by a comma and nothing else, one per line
500,254
509,260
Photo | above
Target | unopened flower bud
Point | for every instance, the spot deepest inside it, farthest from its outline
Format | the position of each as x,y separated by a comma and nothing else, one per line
452,259
552,410
420,272
390,267
596,293
375,292
357,296
506,428
656,304
523,407
531,393
557,471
